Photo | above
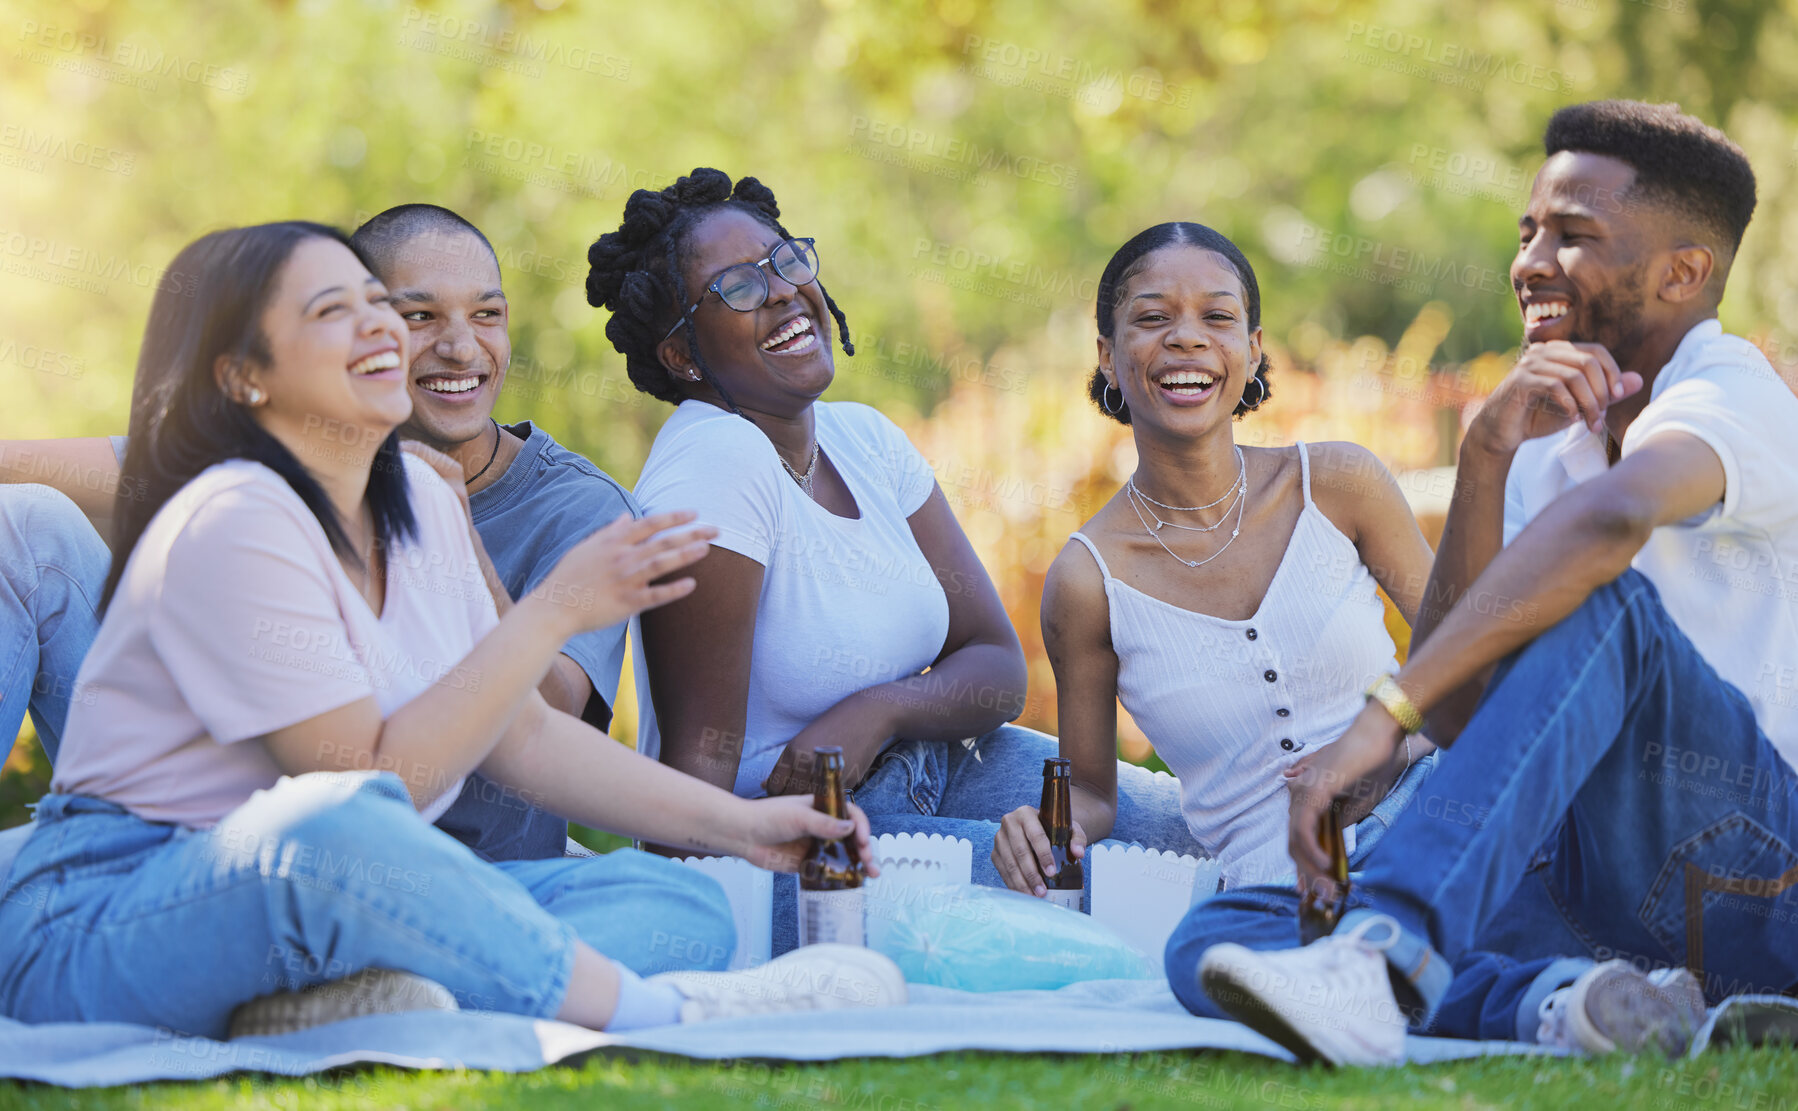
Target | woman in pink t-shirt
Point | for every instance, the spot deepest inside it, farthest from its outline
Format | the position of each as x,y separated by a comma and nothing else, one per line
300,661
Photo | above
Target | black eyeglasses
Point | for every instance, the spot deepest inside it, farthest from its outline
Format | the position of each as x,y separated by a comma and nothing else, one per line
744,287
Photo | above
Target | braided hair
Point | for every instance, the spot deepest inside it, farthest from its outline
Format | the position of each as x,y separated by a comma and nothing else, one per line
635,272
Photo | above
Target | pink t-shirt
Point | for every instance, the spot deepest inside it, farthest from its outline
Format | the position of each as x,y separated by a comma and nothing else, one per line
234,619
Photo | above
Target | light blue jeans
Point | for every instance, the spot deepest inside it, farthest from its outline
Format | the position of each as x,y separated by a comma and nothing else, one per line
110,918
963,788
52,567
1608,771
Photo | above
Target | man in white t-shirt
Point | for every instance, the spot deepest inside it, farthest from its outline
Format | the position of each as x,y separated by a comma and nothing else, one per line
1617,592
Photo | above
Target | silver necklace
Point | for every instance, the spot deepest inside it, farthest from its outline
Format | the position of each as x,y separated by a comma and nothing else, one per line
1241,508
1241,472
804,480
1160,524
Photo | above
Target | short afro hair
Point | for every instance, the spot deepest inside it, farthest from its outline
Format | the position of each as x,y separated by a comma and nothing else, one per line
1682,164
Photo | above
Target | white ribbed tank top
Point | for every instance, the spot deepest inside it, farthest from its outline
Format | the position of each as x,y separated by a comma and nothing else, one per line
1229,705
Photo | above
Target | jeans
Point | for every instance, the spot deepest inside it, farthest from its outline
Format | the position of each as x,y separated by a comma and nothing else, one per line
963,788
110,918
1607,767
52,568
491,819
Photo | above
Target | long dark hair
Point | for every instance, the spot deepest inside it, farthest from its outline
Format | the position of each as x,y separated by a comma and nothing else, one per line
636,272
1124,265
209,304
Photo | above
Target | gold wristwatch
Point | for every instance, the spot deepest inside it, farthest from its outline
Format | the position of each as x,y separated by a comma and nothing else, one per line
1386,691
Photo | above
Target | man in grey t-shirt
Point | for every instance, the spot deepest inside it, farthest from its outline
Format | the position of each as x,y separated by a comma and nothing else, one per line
530,499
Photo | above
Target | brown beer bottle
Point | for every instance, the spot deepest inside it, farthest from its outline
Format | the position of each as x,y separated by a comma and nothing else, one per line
1318,915
830,878
1057,816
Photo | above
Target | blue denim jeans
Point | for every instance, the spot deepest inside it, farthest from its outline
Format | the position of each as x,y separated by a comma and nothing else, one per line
52,568
963,788
499,825
1606,767
109,918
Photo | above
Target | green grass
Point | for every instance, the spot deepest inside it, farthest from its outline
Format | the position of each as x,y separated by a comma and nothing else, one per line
1732,1080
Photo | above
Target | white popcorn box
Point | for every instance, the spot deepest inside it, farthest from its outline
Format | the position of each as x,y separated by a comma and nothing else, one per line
909,862
751,894
1142,894
920,858
912,860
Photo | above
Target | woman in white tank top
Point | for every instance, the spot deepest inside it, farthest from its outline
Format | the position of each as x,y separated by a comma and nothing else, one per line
1226,595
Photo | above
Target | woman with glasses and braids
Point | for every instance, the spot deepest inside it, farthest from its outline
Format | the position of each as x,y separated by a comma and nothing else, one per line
841,603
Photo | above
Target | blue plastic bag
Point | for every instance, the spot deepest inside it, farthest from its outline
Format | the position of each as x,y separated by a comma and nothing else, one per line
988,939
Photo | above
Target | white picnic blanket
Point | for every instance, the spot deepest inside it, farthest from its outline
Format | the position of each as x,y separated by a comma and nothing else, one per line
1100,1016
1096,1017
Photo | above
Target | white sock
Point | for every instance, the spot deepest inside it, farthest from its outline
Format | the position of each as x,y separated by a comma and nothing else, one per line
643,1003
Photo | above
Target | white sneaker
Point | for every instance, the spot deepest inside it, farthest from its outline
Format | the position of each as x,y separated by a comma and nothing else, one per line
373,991
812,978
1614,1006
1329,1001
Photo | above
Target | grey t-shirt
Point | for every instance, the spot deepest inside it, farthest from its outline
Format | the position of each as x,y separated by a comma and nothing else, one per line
549,500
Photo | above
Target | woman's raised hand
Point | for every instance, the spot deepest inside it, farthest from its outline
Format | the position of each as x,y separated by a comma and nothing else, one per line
612,574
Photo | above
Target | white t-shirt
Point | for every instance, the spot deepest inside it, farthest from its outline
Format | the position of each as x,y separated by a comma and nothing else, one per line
234,619
846,604
1729,576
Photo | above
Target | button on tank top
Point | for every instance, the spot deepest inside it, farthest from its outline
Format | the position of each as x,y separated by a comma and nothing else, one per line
1229,705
